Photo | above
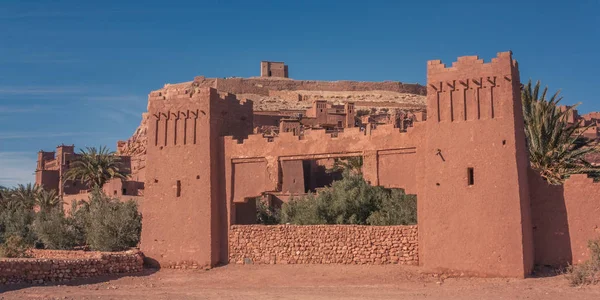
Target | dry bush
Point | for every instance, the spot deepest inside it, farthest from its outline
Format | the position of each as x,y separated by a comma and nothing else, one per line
589,271
14,246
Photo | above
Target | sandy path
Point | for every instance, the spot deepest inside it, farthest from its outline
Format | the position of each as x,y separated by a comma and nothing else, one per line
304,282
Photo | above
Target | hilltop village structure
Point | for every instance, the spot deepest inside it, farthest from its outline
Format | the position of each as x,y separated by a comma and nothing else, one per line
481,209
315,112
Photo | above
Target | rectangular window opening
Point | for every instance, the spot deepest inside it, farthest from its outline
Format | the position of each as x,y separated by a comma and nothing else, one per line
471,179
178,188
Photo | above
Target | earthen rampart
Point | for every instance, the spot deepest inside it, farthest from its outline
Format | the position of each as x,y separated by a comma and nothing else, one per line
59,266
261,86
565,218
473,199
184,163
323,244
468,164
258,164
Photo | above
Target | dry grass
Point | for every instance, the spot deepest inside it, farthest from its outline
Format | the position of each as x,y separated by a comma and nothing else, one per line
589,271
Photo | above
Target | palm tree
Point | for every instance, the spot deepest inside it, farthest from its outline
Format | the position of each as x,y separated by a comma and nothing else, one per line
556,149
47,200
5,195
94,167
352,165
25,194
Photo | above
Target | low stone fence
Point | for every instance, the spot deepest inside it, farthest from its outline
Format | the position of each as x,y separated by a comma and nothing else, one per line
58,265
323,244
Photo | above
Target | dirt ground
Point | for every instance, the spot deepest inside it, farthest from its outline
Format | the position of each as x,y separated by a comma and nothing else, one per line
303,282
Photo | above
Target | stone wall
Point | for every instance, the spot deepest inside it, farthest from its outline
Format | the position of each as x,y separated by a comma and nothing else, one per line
56,265
323,244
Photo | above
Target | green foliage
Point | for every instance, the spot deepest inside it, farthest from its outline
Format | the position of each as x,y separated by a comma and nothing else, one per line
26,195
266,214
108,224
395,209
17,210
14,246
556,148
351,164
352,201
57,231
589,271
104,223
363,112
302,211
47,200
94,167
15,221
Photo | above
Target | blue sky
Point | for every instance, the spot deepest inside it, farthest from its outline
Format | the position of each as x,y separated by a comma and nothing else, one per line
79,73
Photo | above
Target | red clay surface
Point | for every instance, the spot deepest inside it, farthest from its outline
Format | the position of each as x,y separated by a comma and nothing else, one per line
304,282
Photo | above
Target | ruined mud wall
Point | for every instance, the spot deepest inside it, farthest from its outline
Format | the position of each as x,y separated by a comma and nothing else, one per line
263,86
565,218
323,244
56,265
256,164
582,199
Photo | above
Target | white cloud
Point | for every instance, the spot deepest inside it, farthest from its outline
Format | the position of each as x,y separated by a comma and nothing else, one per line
24,109
17,168
31,135
39,90
116,98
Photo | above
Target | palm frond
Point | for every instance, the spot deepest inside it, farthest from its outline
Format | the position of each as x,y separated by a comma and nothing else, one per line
556,148
94,167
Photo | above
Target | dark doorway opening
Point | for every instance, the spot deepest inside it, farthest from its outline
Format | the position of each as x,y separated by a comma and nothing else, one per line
319,173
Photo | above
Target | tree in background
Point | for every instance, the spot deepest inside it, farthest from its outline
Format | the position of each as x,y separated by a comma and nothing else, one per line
16,214
94,167
556,149
25,195
350,164
46,200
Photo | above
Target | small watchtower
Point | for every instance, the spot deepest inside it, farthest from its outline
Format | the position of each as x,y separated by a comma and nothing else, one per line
273,69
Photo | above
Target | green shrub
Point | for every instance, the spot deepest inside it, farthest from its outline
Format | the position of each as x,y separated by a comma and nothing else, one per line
265,214
395,209
302,211
14,246
15,220
352,201
589,271
103,223
56,231
108,224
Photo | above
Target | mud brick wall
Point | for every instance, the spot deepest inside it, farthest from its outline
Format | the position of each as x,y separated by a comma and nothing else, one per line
56,266
323,244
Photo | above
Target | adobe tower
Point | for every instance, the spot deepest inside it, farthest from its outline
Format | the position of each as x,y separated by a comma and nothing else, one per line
185,219
473,203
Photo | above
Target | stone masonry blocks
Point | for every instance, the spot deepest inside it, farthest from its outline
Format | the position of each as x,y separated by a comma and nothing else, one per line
323,244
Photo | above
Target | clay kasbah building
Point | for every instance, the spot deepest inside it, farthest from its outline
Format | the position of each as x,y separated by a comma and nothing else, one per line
206,150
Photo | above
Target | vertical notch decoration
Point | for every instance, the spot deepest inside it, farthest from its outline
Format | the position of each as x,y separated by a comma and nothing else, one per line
156,129
470,176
